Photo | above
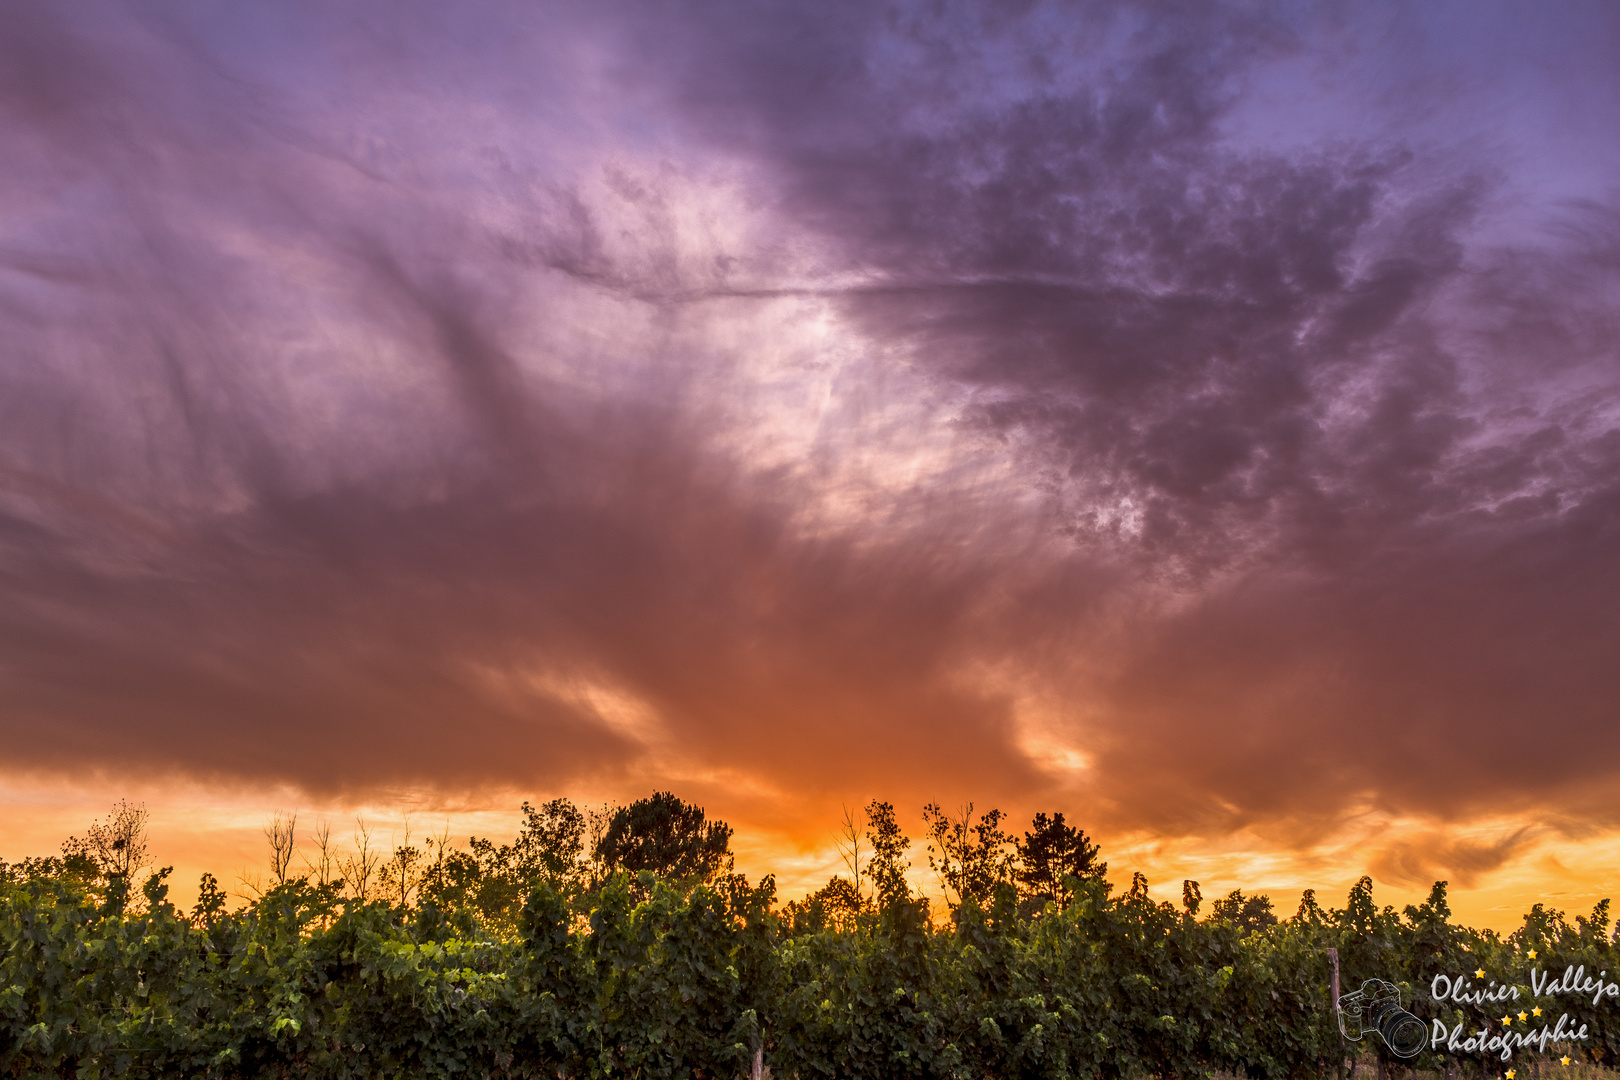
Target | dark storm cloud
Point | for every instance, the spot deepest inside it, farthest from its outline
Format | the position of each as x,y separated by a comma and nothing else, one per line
372,409
235,546
1378,459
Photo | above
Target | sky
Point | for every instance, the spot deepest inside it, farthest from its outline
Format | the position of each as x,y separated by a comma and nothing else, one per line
1199,418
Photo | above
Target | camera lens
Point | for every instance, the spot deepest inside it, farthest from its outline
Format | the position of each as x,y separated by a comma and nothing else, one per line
1402,1032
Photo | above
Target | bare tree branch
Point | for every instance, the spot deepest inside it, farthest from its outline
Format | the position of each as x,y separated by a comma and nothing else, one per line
359,868
280,833
117,848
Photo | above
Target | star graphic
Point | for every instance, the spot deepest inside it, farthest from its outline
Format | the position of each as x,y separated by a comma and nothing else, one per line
1564,1060
1531,954
1510,1074
1536,1011
1480,974
1523,1016
1507,1021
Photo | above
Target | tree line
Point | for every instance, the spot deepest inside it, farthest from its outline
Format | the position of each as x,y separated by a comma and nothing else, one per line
622,942
576,851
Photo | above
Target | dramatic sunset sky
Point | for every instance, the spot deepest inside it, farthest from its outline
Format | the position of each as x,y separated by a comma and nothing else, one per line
1199,418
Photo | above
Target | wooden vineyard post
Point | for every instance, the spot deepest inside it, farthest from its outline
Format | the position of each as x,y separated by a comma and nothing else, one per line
1333,956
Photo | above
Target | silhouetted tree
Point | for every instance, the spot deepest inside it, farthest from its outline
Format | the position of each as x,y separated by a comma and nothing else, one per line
494,880
400,877
210,902
970,857
671,838
1051,851
75,868
1309,910
360,869
551,844
849,849
836,904
281,834
117,849
325,864
887,865
1249,913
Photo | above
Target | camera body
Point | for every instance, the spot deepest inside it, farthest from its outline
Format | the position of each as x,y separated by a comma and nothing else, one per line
1377,1007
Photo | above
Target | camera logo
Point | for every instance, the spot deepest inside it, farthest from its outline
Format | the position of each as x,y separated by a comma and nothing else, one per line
1377,1007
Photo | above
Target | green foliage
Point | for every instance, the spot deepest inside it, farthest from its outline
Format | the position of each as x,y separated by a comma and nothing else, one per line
75,868
1245,912
648,977
493,880
836,904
